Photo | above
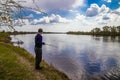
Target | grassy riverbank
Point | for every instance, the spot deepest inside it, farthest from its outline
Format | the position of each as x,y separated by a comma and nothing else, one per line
4,37
17,64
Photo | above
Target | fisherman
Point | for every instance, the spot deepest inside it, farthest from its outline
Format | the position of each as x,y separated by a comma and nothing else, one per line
38,48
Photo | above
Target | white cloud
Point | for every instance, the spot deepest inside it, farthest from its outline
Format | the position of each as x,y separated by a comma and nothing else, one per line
115,17
21,22
80,17
60,5
109,1
53,5
119,3
78,3
42,20
29,16
27,3
95,10
108,18
103,8
118,10
96,16
51,19
105,16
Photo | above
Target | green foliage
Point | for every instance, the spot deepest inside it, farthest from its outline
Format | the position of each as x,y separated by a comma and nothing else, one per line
0,13
4,37
118,29
107,31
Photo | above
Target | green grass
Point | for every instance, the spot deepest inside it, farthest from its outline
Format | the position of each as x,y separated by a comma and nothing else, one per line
12,69
4,37
48,71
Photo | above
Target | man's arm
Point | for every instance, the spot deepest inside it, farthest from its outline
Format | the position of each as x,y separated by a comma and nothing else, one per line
40,40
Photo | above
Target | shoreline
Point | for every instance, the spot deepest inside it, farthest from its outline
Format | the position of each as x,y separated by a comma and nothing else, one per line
47,73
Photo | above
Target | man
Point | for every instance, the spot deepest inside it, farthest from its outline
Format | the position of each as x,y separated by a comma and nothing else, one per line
38,48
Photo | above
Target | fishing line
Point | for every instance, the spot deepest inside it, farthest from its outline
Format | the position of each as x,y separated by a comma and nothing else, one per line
51,45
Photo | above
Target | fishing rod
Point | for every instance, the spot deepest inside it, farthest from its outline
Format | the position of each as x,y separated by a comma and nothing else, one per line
51,45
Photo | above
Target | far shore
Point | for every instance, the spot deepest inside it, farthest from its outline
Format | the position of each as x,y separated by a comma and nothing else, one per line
15,33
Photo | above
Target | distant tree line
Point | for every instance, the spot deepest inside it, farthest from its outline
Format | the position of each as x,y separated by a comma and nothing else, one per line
79,33
21,32
105,31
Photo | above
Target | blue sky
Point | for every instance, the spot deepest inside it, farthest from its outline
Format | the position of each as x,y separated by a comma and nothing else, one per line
71,15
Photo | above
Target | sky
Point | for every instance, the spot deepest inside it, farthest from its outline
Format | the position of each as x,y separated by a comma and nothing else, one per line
70,15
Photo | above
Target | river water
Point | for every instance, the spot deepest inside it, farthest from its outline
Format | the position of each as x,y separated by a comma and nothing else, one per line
80,57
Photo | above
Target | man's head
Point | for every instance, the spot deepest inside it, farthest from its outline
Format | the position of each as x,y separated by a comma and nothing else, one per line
40,30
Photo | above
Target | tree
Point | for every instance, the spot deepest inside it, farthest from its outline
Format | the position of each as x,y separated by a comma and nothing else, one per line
11,11
113,30
118,30
7,8
106,30
96,31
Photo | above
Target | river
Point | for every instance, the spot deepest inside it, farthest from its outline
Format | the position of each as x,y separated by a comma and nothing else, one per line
80,57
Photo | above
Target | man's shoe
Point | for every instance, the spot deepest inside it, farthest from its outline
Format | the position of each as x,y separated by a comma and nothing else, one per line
38,68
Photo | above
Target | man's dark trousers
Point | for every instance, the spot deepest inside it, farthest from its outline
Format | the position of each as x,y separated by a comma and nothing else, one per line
38,58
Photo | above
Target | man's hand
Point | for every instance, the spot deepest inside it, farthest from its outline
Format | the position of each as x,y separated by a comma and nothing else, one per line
43,43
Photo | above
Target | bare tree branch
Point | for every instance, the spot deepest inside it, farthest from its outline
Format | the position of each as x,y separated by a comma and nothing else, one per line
8,8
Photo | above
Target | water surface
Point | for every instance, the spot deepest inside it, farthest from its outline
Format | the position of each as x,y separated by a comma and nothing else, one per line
80,57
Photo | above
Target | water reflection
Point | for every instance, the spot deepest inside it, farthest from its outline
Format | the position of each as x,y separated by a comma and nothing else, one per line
80,57
107,38
111,62
90,62
99,68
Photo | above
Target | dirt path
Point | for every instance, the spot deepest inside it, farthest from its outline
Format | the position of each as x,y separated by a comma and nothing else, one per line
30,67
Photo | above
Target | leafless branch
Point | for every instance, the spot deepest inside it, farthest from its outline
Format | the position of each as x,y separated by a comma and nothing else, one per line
10,7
